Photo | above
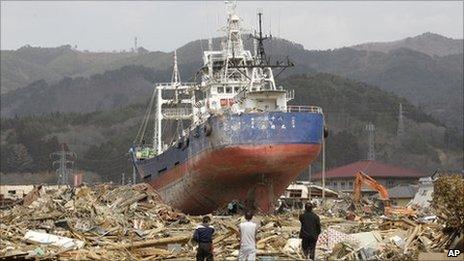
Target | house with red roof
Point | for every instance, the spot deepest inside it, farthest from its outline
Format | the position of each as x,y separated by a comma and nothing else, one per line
342,178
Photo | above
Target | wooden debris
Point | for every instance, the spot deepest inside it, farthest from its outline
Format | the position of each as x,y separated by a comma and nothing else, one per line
147,243
132,223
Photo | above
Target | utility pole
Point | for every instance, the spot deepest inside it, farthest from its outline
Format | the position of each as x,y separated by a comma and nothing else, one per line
135,44
134,175
309,183
323,162
63,172
370,128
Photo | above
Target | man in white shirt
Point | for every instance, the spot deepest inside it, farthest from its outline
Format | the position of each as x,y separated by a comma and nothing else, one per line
248,230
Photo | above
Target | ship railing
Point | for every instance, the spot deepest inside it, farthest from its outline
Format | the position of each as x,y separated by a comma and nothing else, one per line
290,95
170,83
177,112
303,108
182,85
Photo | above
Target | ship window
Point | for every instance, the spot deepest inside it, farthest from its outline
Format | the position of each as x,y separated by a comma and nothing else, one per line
228,89
236,89
342,184
295,193
163,169
220,89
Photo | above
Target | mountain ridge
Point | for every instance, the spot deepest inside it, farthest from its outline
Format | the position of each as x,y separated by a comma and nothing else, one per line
434,83
429,43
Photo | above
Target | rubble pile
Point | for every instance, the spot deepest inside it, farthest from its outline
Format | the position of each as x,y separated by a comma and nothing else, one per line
88,222
125,222
379,238
397,237
132,223
448,202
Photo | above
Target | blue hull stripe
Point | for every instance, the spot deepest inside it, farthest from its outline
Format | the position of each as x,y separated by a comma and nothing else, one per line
234,130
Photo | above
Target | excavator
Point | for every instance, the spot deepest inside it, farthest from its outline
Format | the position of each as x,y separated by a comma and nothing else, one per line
362,178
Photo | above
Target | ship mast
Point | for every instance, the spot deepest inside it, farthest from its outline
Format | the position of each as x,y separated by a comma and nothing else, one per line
260,41
175,78
262,61
234,52
179,101
157,128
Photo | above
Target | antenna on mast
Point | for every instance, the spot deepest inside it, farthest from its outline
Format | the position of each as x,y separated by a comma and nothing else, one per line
175,72
260,53
260,40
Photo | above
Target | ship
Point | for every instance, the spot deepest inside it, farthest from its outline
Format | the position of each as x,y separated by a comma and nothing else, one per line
235,138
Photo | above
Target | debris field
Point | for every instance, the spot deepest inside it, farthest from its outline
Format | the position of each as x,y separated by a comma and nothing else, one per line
131,222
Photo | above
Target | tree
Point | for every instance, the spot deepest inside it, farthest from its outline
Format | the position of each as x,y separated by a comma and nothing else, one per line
342,149
19,160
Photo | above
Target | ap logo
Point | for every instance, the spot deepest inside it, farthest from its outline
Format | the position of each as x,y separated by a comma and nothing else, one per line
454,252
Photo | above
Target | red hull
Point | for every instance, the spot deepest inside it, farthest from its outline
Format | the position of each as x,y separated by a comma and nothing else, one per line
256,174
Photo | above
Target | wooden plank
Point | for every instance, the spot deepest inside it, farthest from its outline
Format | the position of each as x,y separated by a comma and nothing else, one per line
153,242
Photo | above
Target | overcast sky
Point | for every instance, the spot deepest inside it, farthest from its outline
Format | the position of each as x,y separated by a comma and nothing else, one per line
164,26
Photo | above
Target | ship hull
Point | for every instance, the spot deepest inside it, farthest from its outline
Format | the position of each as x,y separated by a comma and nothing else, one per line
251,158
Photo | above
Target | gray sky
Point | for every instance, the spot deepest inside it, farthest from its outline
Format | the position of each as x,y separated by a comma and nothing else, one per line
164,26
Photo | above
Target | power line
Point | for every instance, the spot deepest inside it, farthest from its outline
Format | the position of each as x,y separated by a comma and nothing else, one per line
63,171
400,131
370,128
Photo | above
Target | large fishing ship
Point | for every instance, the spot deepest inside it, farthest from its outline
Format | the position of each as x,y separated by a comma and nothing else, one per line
241,141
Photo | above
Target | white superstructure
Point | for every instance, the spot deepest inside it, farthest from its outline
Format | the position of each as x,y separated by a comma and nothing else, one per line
233,80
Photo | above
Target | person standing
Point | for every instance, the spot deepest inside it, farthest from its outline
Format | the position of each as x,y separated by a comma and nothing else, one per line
248,230
309,232
203,235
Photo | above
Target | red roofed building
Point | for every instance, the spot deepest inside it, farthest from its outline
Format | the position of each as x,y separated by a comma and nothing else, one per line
342,178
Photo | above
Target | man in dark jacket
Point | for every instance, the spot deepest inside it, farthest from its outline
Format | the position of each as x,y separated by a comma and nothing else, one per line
310,230
204,236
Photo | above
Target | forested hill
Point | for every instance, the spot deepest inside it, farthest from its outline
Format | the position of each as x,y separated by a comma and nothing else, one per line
100,92
432,82
102,138
428,43
349,105
29,64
